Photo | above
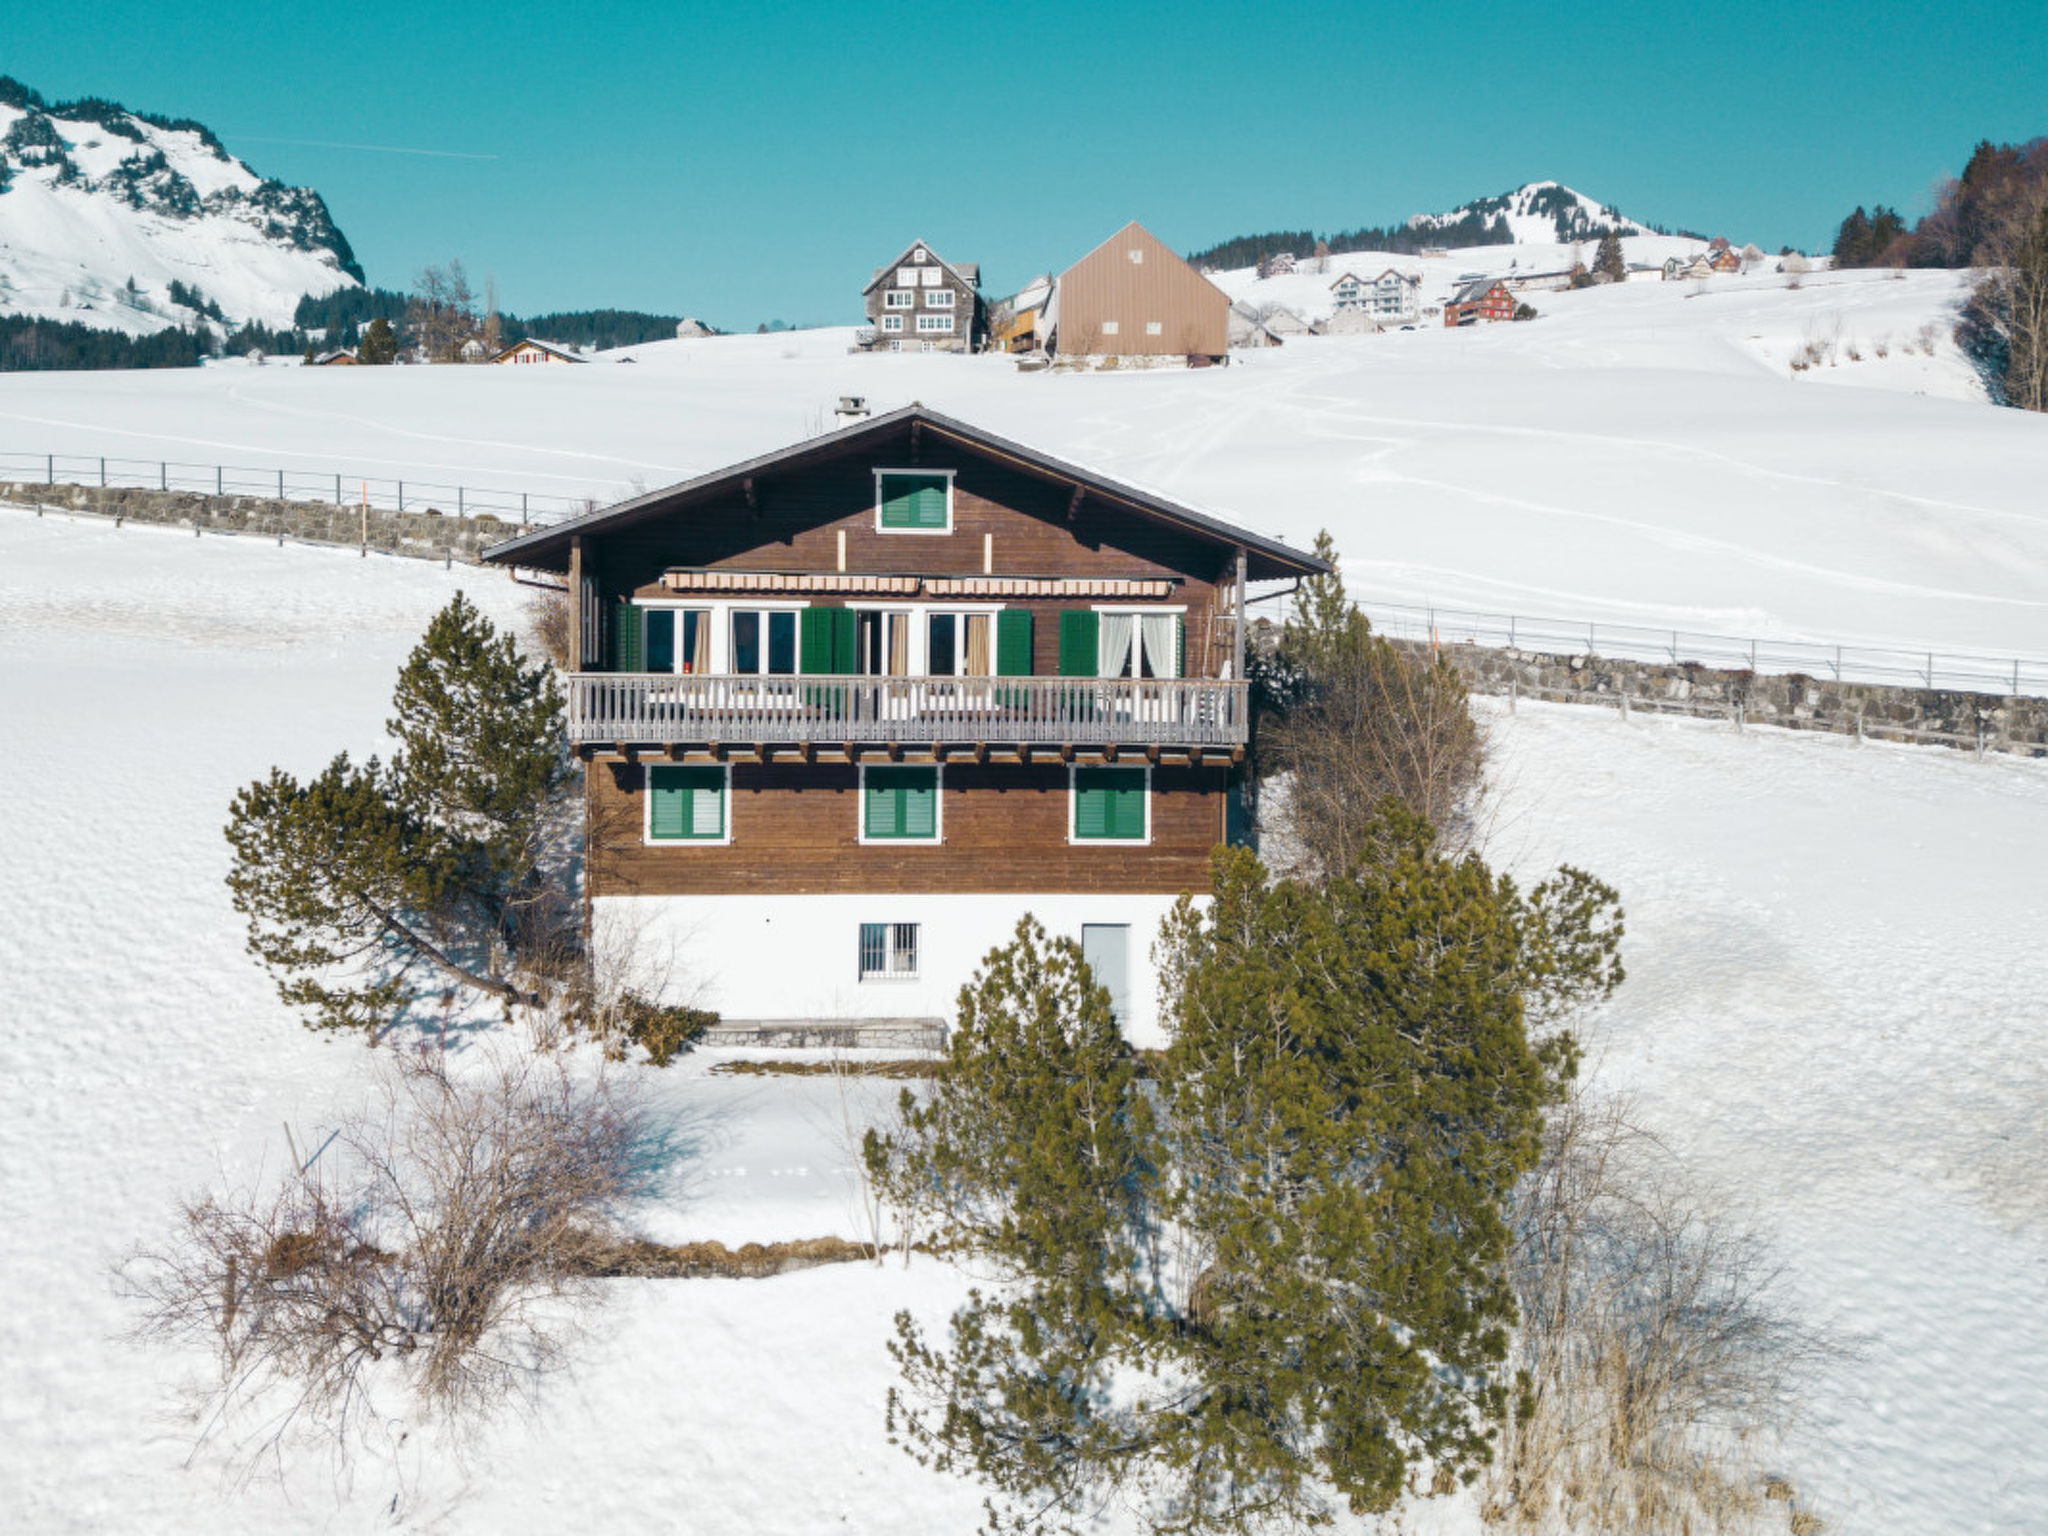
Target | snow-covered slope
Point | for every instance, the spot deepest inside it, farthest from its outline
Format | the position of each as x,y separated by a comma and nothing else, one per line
1835,1011
1538,213
1640,454
93,196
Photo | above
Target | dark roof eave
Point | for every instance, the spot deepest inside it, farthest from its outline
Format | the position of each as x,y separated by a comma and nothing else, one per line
547,548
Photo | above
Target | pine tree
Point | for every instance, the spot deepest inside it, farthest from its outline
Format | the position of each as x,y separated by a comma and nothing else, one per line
367,886
1852,241
1610,263
1274,1281
379,345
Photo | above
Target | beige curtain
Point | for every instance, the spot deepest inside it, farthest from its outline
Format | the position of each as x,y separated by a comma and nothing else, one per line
977,645
700,653
899,644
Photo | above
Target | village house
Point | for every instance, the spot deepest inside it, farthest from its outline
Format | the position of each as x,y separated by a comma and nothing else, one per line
1482,300
849,710
1681,268
1023,327
531,351
920,302
340,357
1132,297
1726,260
1393,297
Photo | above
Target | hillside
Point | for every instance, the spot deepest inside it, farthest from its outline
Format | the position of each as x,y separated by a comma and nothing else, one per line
1833,1024
103,209
1535,213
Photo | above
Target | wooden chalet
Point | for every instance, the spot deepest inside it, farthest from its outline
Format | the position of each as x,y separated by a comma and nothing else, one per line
852,708
922,303
1480,302
531,351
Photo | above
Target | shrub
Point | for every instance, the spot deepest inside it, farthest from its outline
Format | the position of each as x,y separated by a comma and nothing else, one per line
664,1031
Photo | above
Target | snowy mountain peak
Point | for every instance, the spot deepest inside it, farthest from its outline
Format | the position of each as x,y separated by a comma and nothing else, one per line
133,222
1537,213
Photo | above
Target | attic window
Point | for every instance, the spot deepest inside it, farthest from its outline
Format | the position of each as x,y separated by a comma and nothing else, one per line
918,254
1137,256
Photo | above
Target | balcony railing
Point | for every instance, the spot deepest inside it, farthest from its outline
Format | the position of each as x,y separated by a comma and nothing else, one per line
663,709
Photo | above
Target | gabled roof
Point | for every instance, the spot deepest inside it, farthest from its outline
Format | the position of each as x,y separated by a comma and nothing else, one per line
969,272
1473,292
553,349
548,548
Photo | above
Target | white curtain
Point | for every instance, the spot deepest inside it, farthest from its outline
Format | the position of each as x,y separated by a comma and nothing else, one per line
1161,642
1114,643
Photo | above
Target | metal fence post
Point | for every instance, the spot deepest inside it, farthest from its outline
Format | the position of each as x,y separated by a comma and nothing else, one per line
163,475
280,485
219,482
1930,671
50,467
460,505
522,523
103,474
337,490
401,495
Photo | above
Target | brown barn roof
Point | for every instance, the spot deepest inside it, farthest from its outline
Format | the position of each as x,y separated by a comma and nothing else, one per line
548,548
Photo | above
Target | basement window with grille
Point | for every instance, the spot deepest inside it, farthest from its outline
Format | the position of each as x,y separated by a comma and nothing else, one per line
888,951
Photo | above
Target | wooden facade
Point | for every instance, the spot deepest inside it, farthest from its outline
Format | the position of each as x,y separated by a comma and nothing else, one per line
1133,297
922,303
1049,559
795,830
1479,303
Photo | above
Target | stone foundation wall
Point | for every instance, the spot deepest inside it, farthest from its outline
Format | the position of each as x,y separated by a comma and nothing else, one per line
1976,721
426,535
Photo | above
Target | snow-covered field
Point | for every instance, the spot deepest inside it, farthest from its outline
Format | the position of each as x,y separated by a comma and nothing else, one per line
1838,1008
1641,453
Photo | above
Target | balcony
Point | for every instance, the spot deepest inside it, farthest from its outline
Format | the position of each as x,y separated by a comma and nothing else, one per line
667,710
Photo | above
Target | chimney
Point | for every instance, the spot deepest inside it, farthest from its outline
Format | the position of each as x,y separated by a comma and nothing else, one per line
852,408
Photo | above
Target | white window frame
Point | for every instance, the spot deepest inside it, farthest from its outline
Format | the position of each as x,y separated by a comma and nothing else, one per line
929,324
647,836
886,977
1153,610
721,633
1103,842
680,606
922,615
934,276
899,532
940,298
938,811
898,298
1109,327
892,322
906,277
1155,328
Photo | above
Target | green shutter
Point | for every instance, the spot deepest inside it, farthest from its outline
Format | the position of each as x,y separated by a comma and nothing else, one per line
685,804
1109,804
845,641
814,640
901,803
1080,631
629,649
914,501
1013,642
1180,645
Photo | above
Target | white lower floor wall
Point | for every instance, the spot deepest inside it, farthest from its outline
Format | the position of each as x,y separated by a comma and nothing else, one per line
865,957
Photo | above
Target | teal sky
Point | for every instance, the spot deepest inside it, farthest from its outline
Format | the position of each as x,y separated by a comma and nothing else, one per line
755,162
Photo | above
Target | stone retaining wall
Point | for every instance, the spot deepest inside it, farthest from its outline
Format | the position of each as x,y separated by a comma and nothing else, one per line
427,535
1986,721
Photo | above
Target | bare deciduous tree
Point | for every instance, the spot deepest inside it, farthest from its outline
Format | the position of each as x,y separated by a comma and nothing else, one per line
429,1249
1655,1347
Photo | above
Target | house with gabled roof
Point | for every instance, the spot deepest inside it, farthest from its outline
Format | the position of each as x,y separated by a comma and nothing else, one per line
1132,297
1392,297
533,351
921,302
1479,302
850,709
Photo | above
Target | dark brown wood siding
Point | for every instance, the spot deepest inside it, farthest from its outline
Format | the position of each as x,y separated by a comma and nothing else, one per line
965,310
1107,287
795,523
796,831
